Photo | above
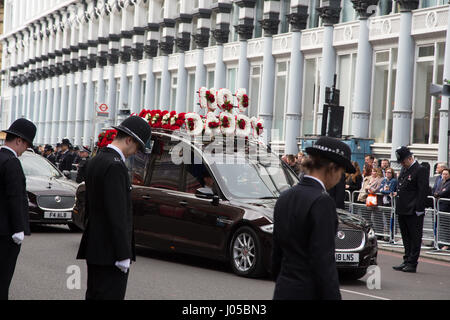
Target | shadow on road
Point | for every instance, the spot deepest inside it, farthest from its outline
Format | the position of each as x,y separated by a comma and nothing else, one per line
41,228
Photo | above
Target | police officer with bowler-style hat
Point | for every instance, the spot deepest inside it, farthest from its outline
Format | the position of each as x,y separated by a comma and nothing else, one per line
305,226
108,243
410,199
82,165
14,220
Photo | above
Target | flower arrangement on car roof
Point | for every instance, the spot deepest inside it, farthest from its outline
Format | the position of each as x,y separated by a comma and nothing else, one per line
105,138
227,122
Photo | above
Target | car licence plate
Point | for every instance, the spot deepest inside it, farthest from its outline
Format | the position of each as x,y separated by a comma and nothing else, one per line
57,215
347,257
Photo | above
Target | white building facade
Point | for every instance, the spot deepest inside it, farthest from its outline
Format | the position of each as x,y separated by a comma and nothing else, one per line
62,58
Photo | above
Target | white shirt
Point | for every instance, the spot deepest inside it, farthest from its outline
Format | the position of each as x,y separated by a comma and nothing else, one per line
118,151
314,178
8,148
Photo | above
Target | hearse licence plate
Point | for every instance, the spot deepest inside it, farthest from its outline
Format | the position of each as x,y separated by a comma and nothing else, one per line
347,257
57,215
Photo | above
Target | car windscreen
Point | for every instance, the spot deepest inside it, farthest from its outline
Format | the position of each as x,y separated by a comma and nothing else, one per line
253,178
36,166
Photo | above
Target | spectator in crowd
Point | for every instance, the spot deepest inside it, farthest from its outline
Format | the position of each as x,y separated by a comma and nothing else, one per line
353,182
371,185
300,157
292,162
48,153
444,205
67,157
437,183
385,163
368,165
388,186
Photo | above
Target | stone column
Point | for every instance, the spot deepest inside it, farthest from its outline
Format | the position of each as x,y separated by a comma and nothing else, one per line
113,59
401,126
65,68
58,80
329,12
363,77
270,24
166,48
46,83
201,38
74,70
125,57
137,53
221,34
52,80
245,31
31,72
298,19
183,43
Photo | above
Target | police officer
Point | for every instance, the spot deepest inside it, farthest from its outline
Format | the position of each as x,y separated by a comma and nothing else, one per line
48,153
410,199
66,158
108,244
14,224
305,226
82,165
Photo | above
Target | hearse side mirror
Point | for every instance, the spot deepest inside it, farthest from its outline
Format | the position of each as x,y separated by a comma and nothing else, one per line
207,193
67,174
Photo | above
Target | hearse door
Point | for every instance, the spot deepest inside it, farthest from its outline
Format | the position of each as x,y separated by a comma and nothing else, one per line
158,206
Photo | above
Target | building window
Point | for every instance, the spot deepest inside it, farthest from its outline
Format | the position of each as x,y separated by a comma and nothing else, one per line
383,94
173,92
210,79
157,91
384,7
255,89
280,100
429,69
348,13
191,91
231,79
234,22
285,9
259,11
311,89
313,21
346,85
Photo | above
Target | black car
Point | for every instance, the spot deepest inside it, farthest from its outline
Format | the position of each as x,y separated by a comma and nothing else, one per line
51,196
214,201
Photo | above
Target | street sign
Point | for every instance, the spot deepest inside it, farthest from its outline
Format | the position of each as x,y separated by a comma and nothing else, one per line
102,110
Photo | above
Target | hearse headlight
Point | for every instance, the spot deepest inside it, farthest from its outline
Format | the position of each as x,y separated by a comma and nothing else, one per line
267,228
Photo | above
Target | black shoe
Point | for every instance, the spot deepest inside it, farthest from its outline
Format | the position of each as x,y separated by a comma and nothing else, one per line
410,269
400,267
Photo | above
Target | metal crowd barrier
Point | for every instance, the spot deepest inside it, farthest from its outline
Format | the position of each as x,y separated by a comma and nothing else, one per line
384,221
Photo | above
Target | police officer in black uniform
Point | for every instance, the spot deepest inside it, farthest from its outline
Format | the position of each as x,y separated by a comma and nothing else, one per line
82,165
48,153
305,226
66,159
108,244
14,224
410,202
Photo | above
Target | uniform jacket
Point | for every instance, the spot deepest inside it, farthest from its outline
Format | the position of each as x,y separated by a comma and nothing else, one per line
303,258
13,196
82,170
412,190
52,158
109,235
443,192
66,160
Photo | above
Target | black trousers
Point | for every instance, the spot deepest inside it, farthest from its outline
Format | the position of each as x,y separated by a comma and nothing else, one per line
106,283
411,228
9,251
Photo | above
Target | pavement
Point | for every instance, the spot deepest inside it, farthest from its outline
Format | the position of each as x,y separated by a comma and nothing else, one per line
427,251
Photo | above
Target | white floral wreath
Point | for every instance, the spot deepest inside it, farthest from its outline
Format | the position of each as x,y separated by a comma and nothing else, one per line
247,126
231,128
255,123
202,97
224,95
166,118
198,124
211,118
212,106
240,95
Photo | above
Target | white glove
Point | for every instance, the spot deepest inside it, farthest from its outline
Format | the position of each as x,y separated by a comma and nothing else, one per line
18,237
123,265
